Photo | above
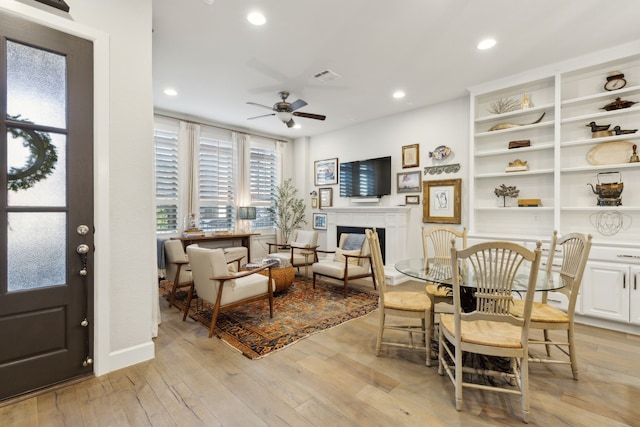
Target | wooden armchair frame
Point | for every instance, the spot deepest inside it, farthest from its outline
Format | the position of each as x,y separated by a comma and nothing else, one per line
222,281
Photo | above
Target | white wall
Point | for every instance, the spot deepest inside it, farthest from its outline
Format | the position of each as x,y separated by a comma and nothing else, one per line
125,280
443,124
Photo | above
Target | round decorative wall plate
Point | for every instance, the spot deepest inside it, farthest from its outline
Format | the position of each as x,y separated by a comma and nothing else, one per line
440,153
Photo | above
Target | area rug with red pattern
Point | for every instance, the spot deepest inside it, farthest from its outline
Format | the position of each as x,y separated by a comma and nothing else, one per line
298,312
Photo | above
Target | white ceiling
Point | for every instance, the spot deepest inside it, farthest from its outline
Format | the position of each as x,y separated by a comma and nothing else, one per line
217,61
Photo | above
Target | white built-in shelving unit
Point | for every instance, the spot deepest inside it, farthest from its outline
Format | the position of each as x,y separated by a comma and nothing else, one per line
571,95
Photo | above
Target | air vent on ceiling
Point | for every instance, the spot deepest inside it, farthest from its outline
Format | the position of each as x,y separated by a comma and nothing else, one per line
326,76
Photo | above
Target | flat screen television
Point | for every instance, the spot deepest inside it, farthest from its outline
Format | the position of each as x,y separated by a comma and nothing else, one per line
366,178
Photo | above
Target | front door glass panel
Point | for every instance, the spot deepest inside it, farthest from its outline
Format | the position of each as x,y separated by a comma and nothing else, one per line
36,168
36,249
36,85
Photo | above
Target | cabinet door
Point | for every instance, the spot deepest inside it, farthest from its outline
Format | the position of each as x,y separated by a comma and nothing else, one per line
605,291
634,294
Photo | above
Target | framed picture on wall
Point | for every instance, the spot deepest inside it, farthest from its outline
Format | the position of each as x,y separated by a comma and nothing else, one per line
409,182
326,172
320,221
442,201
412,200
326,197
411,156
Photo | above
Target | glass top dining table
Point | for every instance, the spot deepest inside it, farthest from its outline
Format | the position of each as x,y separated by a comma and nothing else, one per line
546,281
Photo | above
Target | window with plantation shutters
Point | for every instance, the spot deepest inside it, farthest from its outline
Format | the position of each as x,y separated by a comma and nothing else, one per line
166,167
263,182
216,185
210,171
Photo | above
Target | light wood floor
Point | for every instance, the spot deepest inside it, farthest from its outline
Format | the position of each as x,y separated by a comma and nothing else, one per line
332,379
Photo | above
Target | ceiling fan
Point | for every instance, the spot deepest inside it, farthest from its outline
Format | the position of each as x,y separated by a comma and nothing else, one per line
285,111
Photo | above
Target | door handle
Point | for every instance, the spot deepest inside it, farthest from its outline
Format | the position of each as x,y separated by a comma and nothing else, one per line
83,250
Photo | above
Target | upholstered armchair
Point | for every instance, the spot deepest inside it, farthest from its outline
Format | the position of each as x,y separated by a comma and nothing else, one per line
177,267
219,284
302,241
351,260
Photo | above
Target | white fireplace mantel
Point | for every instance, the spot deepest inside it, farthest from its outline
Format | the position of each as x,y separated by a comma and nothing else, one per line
394,219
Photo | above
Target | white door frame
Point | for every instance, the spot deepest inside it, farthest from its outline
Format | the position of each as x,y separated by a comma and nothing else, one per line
101,142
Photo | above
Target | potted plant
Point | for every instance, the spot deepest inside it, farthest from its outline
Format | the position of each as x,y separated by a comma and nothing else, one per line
289,211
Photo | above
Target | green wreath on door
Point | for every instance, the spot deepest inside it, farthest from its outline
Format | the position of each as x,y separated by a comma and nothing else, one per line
42,157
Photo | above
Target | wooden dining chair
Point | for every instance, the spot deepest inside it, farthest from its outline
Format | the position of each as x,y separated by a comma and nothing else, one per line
436,247
412,305
490,329
575,248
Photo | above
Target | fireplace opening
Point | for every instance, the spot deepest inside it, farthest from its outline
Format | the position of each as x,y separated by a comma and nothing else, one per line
360,230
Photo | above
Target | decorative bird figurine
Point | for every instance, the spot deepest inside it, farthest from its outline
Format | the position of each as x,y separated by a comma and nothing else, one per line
619,131
597,128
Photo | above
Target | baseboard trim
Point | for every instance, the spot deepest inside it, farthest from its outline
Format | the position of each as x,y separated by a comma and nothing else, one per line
130,356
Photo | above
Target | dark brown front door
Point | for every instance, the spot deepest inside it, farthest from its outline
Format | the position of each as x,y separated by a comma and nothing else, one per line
46,206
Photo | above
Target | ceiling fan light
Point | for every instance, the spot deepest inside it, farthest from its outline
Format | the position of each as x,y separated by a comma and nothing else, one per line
284,116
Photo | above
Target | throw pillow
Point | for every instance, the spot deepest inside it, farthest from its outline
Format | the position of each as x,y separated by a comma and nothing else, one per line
340,256
353,242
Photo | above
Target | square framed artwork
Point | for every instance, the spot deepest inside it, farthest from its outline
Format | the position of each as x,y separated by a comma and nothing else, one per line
411,156
412,200
319,221
326,197
442,201
409,182
325,172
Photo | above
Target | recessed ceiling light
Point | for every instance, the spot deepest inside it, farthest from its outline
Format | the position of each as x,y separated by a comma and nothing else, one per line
486,44
398,94
170,92
297,126
256,18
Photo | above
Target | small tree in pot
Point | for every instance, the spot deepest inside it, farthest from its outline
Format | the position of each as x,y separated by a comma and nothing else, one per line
288,210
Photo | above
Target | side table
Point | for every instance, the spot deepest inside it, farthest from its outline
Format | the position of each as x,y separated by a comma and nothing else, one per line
283,275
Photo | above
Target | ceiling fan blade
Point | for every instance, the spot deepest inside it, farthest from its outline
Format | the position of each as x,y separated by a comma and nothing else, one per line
290,123
298,104
260,105
309,115
264,115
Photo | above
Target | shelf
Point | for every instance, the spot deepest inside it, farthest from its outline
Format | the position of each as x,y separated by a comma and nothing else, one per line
599,208
515,113
529,209
604,114
514,129
602,95
588,141
538,147
560,148
525,173
599,167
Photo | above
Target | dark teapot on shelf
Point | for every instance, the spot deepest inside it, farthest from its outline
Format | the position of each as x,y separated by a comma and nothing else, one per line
608,192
